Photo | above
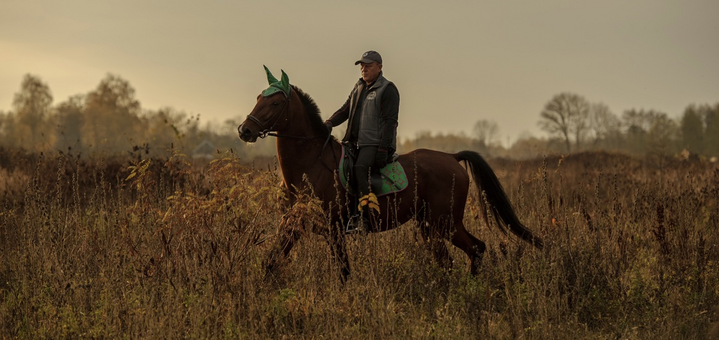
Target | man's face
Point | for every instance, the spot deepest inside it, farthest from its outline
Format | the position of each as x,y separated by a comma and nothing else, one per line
370,72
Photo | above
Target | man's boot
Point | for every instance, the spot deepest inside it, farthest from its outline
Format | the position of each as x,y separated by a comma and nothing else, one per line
358,222
361,221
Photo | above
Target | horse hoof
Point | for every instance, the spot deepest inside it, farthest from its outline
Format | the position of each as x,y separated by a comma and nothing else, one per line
345,275
476,264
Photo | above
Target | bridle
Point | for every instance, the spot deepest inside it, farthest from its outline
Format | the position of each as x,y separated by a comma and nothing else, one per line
276,116
266,132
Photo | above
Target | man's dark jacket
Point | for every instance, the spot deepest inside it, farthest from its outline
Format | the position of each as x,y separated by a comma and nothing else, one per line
372,114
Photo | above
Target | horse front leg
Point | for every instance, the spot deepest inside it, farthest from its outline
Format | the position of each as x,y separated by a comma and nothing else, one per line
288,236
338,249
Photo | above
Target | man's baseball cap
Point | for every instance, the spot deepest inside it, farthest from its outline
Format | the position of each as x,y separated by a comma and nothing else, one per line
370,57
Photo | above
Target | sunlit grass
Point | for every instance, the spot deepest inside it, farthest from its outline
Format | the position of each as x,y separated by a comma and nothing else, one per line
163,248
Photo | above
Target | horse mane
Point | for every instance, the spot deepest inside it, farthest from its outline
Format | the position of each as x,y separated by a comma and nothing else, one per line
313,112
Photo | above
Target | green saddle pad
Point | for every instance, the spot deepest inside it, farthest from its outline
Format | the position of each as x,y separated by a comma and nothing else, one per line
392,177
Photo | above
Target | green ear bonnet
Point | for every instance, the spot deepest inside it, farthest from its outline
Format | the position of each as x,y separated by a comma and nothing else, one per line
282,85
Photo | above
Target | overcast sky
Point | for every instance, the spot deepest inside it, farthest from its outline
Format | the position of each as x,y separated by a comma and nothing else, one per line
454,62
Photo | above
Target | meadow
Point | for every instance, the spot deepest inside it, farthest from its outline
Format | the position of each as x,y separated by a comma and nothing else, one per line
143,248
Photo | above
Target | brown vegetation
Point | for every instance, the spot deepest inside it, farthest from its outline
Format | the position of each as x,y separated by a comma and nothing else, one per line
163,248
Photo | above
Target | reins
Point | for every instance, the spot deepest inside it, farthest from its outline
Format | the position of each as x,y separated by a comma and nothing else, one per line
327,141
273,134
266,132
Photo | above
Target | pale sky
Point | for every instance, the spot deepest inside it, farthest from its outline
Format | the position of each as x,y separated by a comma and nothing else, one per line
454,62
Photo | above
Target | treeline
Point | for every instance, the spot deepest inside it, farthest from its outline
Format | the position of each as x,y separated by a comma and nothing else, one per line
574,124
110,120
577,124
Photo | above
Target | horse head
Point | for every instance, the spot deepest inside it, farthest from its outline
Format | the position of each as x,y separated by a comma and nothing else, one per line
271,112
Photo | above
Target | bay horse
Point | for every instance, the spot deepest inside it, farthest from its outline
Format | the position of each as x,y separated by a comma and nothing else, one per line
308,157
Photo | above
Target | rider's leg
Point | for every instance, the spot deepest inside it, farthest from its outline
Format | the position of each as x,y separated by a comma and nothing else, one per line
365,160
361,169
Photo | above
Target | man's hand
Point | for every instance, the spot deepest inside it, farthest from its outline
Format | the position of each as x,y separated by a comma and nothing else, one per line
380,158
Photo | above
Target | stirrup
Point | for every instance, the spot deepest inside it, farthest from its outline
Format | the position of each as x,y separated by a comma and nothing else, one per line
356,224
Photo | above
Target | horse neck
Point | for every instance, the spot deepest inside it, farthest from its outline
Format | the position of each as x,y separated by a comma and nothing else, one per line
298,156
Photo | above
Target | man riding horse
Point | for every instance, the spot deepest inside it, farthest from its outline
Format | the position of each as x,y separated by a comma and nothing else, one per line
372,109
308,158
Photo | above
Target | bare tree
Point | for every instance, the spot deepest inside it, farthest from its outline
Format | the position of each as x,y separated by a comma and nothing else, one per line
649,131
68,121
692,129
111,120
486,132
664,134
711,134
32,106
566,115
605,125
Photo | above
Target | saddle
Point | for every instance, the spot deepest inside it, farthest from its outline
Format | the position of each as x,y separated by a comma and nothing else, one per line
390,179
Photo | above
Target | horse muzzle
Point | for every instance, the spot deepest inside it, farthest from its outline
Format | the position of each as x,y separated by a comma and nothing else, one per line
246,134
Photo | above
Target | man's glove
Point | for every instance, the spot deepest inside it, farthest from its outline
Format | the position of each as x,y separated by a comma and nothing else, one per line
328,126
380,158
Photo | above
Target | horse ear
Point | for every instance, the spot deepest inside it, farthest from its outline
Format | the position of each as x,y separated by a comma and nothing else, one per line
270,78
285,80
285,83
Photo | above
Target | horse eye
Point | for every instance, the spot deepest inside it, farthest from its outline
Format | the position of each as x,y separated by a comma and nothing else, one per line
275,103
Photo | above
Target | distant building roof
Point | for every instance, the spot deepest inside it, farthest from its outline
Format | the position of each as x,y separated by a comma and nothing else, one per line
204,150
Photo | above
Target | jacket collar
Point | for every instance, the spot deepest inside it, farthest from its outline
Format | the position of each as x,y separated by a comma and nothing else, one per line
377,83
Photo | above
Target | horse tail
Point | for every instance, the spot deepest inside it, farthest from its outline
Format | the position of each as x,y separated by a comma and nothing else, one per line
492,194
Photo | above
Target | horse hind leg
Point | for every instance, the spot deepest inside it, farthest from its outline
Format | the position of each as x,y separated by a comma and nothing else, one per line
433,240
473,247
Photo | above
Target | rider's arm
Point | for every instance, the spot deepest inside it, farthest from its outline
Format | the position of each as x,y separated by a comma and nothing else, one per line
340,115
388,117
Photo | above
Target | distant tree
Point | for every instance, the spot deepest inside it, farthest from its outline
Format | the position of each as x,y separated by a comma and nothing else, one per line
566,115
423,134
32,106
68,121
441,142
650,131
692,129
711,134
639,119
528,146
637,124
163,128
7,126
663,136
112,120
636,140
486,132
605,125
192,133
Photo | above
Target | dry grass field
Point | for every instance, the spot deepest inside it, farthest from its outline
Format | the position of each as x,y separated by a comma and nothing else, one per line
132,248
